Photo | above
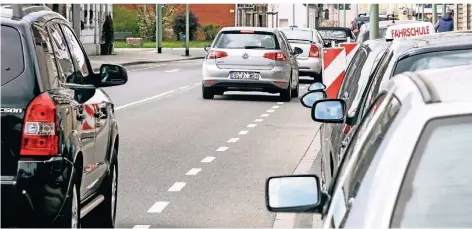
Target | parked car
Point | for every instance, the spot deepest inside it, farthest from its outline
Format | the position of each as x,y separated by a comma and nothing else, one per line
251,59
336,34
59,134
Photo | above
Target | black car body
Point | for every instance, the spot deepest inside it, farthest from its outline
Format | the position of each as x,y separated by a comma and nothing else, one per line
58,126
336,34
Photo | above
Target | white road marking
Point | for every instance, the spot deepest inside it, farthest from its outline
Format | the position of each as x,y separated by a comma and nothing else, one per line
208,159
264,115
173,70
222,149
144,100
243,132
270,111
184,87
280,103
259,120
141,226
233,140
177,187
275,107
252,125
193,172
158,207
198,84
140,69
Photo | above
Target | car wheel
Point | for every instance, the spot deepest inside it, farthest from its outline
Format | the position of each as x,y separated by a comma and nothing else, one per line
207,93
286,94
105,214
296,91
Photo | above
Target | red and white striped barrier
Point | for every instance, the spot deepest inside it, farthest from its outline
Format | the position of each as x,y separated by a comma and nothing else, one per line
89,121
334,68
351,49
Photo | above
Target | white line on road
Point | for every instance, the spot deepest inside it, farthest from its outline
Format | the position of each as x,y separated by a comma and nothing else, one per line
222,149
280,103
208,159
252,125
275,107
177,187
193,172
243,132
141,226
173,70
158,207
232,140
143,100
140,69
184,87
259,120
270,111
198,84
264,115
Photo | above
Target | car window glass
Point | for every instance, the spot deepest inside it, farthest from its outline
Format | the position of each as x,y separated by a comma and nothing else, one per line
320,39
13,61
285,43
296,34
63,58
378,77
247,39
352,74
437,190
78,55
45,57
354,82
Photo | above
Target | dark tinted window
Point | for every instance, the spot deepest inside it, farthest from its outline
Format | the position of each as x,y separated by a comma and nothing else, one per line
432,60
437,189
334,34
247,40
45,57
78,55
378,76
63,58
13,61
350,84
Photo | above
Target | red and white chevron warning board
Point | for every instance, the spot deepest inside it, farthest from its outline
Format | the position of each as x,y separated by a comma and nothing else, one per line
351,49
89,121
334,68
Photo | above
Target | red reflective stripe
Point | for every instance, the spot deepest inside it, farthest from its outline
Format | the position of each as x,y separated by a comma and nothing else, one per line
333,89
349,47
329,55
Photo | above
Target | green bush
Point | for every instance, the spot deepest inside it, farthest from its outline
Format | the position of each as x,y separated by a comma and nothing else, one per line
210,31
125,20
179,25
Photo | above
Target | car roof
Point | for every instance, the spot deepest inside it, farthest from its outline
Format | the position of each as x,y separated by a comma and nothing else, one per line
257,29
335,28
377,44
289,28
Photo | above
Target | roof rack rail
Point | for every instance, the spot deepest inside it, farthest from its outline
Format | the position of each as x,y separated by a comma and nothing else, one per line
19,10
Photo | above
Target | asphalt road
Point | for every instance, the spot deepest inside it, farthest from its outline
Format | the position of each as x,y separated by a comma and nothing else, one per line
188,162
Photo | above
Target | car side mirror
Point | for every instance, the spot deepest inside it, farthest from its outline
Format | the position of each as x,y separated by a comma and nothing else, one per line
297,51
316,86
311,97
206,48
329,111
294,193
112,75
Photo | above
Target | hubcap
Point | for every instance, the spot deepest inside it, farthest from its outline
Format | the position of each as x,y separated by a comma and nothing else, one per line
113,193
75,209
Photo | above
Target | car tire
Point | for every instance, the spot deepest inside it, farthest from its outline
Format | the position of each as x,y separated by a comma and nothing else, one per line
296,91
286,94
207,93
71,214
104,215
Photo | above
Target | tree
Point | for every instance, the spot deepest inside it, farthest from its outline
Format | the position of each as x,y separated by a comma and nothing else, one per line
179,25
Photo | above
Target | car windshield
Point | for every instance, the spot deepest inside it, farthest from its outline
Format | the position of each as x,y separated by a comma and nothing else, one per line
433,60
12,54
436,190
333,34
294,34
246,40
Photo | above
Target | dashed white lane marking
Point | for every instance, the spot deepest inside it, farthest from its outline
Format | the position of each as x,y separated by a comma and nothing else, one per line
275,107
243,132
232,140
280,103
264,115
143,100
251,125
177,187
222,149
158,207
208,159
141,69
270,111
184,87
173,70
259,120
141,226
193,172
198,83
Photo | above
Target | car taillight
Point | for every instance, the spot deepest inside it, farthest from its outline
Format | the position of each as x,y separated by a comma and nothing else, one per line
275,56
40,133
216,54
314,52
347,128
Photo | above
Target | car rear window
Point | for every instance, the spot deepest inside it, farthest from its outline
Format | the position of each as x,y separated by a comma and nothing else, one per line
433,60
13,63
436,191
298,34
246,40
333,34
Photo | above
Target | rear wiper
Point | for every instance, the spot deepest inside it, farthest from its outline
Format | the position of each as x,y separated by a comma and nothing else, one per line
254,47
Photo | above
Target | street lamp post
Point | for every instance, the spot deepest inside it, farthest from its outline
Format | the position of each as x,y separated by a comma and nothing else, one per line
187,29
374,22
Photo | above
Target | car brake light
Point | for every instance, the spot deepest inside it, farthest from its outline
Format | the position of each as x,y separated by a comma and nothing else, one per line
314,52
40,133
216,54
347,128
275,56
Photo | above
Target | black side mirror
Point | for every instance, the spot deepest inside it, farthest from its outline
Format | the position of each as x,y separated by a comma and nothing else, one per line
112,75
328,111
206,48
311,97
297,51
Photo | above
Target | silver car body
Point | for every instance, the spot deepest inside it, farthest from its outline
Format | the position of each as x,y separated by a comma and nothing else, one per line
274,75
308,66
369,186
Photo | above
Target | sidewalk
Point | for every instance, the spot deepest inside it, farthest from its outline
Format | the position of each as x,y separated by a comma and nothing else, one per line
134,56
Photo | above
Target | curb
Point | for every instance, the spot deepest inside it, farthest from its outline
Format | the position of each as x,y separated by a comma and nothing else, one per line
151,62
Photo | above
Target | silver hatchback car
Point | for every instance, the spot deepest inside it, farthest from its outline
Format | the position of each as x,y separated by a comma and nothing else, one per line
250,59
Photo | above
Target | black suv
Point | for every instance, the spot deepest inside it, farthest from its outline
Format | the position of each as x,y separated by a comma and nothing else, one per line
59,134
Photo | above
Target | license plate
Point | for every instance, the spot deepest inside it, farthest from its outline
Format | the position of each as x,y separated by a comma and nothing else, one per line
245,75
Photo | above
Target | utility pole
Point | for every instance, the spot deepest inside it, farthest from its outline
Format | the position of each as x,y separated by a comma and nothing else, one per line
344,14
374,22
159,28
308,15
435,13
422,12
187,29
339,16
76,19
293,14
357,10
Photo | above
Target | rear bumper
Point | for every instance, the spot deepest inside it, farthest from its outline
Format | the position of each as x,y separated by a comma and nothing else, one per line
309,66
35,196
277,73
245,85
